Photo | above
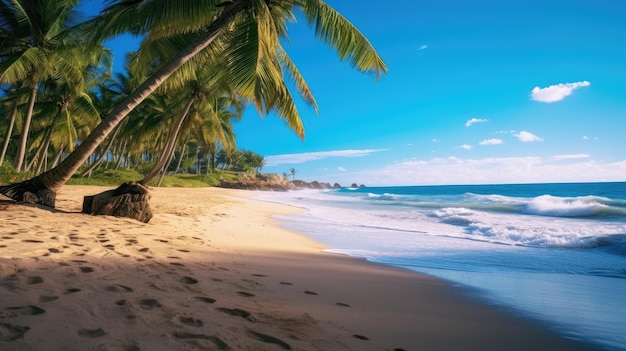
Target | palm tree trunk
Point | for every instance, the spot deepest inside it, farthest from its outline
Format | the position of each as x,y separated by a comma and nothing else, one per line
51,181
21,151
169,145
58,155
104,153
180,159
9,132
164,169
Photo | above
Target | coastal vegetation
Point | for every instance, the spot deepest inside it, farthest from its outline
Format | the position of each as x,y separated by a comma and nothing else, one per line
200,63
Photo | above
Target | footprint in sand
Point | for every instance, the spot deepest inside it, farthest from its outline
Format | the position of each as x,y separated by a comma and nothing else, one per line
245,294
361,337
10,332
237,313
71,290
149,304
188,280
268,339
29,310
32,241
205,299
34,280
342,304
311,293
221,345
47,298
91,333
145,249
192,322
285,283
86,269
118,288
53,250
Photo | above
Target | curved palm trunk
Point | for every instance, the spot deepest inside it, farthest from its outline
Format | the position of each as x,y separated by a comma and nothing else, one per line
21,151
51,181
57,155
102,156
9,132
166,155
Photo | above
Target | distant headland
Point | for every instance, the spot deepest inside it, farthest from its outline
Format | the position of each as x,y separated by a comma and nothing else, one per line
275,182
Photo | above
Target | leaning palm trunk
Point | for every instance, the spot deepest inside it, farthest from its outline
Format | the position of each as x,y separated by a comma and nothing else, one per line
166,155
21,151
9,132
42,189
102,155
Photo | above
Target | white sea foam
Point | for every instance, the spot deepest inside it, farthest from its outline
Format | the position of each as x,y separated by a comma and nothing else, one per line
565,207
405,225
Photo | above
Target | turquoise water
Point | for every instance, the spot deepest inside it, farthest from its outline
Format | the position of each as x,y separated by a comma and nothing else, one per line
552,252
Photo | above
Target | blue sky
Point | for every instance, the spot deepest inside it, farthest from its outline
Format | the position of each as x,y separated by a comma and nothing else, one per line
477,92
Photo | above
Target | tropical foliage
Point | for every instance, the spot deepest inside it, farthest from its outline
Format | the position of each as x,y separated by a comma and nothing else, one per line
199,65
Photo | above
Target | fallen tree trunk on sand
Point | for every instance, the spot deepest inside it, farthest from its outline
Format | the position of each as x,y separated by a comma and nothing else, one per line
30,191
128,200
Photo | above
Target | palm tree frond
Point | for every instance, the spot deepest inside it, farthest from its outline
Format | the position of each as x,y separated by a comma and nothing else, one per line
337,31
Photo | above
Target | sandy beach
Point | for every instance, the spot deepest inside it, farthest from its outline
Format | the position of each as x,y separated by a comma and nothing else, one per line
213,271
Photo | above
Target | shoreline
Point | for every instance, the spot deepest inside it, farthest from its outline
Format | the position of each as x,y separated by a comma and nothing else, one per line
214,270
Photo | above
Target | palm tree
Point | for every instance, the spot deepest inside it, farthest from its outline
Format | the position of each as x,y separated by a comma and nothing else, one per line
293,172
253,29
35,36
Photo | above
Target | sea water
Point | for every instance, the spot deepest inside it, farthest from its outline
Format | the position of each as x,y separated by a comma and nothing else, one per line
553,252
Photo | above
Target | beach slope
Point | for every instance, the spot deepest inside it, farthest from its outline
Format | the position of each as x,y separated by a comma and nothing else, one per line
213,271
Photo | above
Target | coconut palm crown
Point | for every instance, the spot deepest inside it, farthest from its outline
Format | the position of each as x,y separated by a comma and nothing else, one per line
246,32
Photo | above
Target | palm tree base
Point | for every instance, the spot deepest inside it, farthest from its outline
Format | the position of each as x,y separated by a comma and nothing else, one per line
129,200
30,191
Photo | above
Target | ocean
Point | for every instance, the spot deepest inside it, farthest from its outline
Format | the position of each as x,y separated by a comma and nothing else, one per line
555,253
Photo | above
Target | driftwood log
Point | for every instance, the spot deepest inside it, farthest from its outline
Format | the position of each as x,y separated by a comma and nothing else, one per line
128,200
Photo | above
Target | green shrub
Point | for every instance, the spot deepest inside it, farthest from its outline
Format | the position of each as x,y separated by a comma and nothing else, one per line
8,175
107,177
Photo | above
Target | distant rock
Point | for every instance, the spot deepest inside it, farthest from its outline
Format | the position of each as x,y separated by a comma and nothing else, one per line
267,182
275,182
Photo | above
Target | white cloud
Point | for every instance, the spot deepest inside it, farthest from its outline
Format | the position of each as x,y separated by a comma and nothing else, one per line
492,141
341,169
422,47
506,170
527,137
464,146
569,157
312,156
556,92
435,140
585,137
474,120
